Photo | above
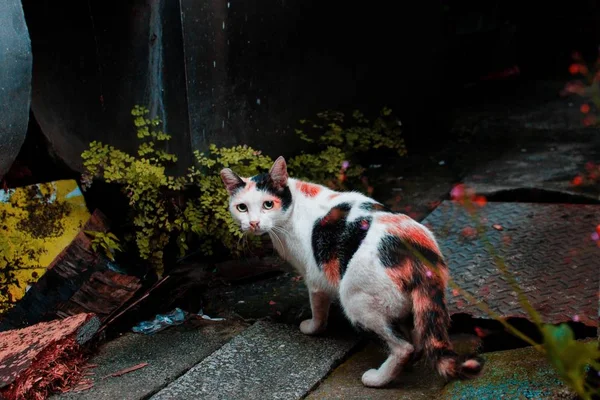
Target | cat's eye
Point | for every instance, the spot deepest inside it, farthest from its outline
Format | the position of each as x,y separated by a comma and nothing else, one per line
242,207
267,205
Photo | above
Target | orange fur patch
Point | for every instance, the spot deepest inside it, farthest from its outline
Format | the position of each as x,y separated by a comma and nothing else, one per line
418,236
276,202
400,273
421,302
333,196
393,219
402,226
331,270
308,189
443,274
437,344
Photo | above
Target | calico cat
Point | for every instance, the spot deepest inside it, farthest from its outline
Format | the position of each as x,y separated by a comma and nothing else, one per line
385,268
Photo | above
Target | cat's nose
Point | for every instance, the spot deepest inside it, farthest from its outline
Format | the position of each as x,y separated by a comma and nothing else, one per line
254,224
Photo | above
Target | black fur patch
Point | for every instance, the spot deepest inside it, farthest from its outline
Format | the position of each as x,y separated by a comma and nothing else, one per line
371,206
436,324
438,297
265,183
240,185
334,237
393,252
443,353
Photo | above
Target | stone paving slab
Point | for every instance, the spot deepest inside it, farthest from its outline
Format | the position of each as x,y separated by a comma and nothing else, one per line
266,361
169,354
420,383
548,248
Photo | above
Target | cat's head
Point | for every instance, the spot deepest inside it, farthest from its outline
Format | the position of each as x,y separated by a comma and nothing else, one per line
260,202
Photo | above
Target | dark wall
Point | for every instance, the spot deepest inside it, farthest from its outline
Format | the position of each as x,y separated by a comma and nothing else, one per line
94,60
15,81
274,62
233,72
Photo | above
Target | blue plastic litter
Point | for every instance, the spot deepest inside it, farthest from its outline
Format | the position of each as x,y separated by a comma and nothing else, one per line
160,322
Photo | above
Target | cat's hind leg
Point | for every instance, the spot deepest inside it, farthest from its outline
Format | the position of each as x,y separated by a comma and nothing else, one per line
370,312
405,329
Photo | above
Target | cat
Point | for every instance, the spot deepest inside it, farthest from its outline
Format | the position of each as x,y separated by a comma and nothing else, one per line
386,269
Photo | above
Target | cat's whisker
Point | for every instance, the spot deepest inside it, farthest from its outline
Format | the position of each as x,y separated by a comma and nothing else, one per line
244,240
286,234
245,244
273,234
283,230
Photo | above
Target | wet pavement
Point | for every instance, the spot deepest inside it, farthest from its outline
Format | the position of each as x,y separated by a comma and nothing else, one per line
266,361
168,355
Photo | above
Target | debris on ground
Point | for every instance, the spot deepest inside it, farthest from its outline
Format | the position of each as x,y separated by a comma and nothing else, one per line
77,280
127,370
163,321
160,322
206,317
44,358
169,355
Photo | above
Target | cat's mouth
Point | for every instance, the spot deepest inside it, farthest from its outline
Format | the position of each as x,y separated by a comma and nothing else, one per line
257,232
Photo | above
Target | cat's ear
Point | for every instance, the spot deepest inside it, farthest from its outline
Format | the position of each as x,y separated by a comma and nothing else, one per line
231,181
278,173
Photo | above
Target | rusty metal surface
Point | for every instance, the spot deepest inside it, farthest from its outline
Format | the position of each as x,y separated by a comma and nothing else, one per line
549,248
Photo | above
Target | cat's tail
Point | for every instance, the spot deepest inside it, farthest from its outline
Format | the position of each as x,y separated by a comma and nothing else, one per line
431,321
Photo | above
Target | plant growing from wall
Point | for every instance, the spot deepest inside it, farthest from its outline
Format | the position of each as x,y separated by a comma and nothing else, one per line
340,140
158,210
107,243
209,215
145,182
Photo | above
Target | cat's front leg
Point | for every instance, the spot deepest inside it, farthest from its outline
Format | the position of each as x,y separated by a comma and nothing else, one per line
319,304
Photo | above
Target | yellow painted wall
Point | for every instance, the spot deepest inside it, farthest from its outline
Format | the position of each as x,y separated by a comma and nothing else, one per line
36,223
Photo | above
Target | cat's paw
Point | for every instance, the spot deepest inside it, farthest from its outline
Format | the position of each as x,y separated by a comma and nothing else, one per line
310,327
373,378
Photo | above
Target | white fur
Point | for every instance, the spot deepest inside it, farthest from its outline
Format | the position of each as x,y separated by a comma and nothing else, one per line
368,296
